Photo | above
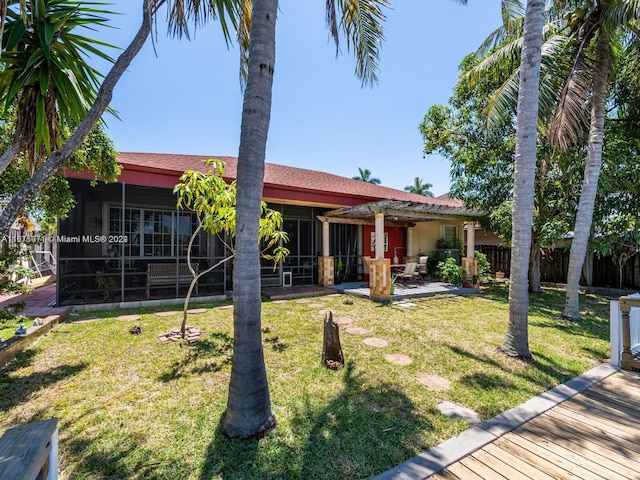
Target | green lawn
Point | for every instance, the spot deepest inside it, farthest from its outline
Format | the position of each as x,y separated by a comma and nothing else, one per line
132,407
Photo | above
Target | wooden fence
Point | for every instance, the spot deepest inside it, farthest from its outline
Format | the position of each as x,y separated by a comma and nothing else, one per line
554,265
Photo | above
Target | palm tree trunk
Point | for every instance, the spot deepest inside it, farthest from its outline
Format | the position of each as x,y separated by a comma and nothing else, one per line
58,158
248,404
584,215
516,342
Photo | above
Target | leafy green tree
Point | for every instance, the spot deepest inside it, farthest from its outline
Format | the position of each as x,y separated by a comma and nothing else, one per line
214,202
420,188
365,176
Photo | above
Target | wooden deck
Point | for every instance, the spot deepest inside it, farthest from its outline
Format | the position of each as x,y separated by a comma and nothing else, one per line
594,434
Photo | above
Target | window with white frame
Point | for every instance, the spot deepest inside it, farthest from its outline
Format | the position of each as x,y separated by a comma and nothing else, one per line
450,233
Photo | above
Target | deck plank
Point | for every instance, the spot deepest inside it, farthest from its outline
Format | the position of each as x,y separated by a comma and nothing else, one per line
593,435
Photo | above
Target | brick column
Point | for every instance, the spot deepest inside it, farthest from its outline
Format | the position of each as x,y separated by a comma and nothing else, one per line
380,279
325,271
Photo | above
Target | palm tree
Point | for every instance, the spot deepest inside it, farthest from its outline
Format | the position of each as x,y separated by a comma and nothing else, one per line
57,159
577,62
601,23
365,176
516,342
248,406
46,74
420,188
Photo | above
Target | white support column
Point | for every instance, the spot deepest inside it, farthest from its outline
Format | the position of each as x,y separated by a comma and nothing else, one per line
379,236
471,239
410,242
325,239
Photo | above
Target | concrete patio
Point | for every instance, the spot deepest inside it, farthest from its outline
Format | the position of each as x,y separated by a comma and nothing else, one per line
424,289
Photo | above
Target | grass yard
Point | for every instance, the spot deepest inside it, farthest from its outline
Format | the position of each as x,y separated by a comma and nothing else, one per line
132,407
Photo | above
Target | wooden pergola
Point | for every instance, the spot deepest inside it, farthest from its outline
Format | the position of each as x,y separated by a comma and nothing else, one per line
399,214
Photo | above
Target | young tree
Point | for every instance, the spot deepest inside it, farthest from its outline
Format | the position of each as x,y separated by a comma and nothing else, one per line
214,202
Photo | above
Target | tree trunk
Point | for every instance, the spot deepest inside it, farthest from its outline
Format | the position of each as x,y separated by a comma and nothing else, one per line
248,405
534,268
332,356
516,342
58,158
584,216
9,155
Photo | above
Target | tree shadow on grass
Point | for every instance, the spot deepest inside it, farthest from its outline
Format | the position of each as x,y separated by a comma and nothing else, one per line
362,431
116,455
552,372
205,355
15,390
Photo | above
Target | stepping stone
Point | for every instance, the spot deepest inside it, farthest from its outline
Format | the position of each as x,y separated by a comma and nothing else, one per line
315,305
404,304
303,300
197,310
167,314
129,318
226,307
398,359
357,330
279,301
334,295
375,342
434,382
325,311
343,321
458,412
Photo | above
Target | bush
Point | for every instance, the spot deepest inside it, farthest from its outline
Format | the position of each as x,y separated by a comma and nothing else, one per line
451,272
484,267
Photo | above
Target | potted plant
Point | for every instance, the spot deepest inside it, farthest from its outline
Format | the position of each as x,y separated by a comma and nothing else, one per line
341,270
392,287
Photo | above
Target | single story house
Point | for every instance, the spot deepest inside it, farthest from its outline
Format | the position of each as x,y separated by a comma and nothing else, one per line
127,241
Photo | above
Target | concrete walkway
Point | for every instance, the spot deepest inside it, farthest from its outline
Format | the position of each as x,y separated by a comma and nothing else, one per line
40,302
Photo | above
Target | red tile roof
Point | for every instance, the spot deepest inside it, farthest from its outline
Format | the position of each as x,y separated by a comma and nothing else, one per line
278,177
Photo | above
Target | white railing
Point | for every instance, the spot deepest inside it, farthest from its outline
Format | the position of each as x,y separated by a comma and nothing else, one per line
615,328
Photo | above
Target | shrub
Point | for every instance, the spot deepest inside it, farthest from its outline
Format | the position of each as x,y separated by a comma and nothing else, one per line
451,272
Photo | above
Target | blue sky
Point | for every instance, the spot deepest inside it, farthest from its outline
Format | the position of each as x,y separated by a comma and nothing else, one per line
185,97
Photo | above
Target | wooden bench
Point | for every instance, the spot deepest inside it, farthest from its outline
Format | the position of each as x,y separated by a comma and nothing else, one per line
165,274
30,452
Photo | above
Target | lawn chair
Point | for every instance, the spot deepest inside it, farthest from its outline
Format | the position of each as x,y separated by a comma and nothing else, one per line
409,274
422,268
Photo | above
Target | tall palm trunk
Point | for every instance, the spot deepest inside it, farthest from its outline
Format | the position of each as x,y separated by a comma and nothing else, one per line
516,342
584,215
58,158
248,405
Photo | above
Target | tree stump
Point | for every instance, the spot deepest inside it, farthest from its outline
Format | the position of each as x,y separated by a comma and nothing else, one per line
331,349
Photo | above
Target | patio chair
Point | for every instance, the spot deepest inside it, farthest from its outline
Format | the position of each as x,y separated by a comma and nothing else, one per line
409,274
422,267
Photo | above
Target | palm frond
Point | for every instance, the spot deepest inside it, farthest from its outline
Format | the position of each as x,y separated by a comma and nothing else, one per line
571,117
361,21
